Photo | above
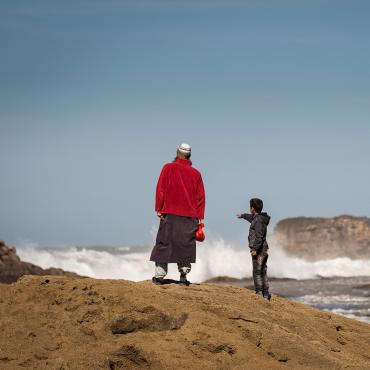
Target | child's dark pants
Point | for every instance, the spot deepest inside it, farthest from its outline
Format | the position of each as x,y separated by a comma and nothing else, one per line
261,283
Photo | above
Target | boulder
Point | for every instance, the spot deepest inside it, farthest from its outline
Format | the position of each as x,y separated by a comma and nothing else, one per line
12,268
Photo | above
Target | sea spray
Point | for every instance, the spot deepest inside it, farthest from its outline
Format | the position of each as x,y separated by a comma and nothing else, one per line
215,257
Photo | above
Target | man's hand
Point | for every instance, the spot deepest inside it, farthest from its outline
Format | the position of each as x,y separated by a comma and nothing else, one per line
253,253
239,215
200,221
159,214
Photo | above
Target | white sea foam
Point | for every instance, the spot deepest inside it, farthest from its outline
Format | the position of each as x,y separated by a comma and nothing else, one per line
361,315
215,257
342,299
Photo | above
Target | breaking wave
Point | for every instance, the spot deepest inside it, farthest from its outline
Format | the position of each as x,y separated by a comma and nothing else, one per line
214,258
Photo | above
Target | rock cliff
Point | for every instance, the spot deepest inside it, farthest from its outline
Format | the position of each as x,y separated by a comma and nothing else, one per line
323,238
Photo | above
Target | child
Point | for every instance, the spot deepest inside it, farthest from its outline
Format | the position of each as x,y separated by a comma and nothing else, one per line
258,245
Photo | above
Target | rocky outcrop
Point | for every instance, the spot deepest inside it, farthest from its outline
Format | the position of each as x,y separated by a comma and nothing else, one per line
324,238
68,323
12,268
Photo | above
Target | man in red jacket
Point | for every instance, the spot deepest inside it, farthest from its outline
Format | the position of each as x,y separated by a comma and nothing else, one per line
180,203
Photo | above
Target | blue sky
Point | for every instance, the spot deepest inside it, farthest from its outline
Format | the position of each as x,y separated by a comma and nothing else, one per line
273,96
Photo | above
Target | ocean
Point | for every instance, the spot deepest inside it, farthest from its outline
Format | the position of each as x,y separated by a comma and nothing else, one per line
339,285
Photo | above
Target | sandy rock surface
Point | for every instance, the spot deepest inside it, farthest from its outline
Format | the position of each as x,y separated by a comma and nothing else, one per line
70,323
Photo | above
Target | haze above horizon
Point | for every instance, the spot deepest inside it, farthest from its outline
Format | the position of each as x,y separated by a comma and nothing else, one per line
273,96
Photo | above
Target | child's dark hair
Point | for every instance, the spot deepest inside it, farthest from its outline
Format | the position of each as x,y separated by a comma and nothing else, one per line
257,204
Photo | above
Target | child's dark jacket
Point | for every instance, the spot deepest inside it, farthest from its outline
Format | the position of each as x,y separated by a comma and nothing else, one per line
257,231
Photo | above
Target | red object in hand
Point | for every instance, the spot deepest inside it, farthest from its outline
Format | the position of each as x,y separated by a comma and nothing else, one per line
199,235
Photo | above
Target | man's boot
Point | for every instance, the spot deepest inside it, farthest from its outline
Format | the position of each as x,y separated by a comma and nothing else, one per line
184,270
157,281
183,280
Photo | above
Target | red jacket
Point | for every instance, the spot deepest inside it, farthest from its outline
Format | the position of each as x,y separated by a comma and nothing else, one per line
180,190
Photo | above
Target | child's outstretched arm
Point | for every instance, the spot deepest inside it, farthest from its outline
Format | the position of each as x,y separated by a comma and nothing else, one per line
245,216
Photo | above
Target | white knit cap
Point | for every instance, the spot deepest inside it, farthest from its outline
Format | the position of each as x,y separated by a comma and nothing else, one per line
185,149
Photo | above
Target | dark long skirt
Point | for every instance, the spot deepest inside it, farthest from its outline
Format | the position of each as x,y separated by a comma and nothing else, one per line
175,240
